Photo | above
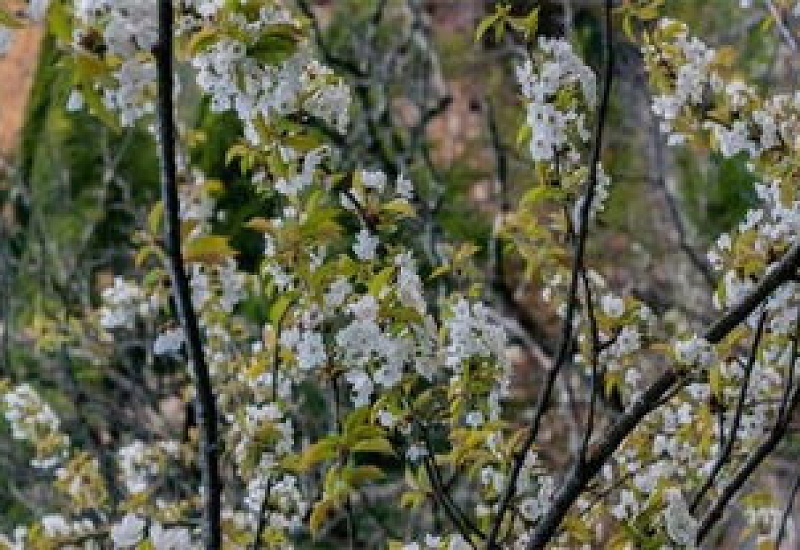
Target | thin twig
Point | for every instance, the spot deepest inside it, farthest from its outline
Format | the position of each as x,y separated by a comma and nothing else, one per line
714,514
457,517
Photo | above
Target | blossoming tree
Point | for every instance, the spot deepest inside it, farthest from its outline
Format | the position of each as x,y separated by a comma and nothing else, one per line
360,364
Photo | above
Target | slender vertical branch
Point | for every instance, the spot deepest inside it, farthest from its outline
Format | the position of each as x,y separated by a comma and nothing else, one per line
594,359
659,180
440,492
577,265
205,402
784,31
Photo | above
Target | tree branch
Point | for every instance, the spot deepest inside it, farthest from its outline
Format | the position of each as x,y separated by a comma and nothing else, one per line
651,398
205,402
789,401
577,266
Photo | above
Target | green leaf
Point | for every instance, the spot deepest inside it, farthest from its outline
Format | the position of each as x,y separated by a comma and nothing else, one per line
400,206
58,21
210,249
486,23
381,280
201,40
362,432
98,108
715,381
375,445
277,44
155,218
526,25
439,271
359,417
279,307
361,475
322,450
302,142
412,499
262,225
319,513
524,134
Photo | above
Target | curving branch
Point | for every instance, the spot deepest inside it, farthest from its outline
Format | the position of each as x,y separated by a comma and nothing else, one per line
205,401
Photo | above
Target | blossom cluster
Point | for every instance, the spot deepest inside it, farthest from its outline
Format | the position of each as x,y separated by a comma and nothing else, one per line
559,90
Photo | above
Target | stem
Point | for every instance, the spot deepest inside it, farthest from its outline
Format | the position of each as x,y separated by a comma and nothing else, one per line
205,402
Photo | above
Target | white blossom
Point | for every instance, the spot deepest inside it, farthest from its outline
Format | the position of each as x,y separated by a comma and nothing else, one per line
176,538
404,187
122,302
680,525
169,342
612,305
338,292
128,532
549,125
366,245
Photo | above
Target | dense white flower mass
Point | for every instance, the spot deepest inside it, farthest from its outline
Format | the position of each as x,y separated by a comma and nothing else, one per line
33,420
693,75
554,129
234,80
471,333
